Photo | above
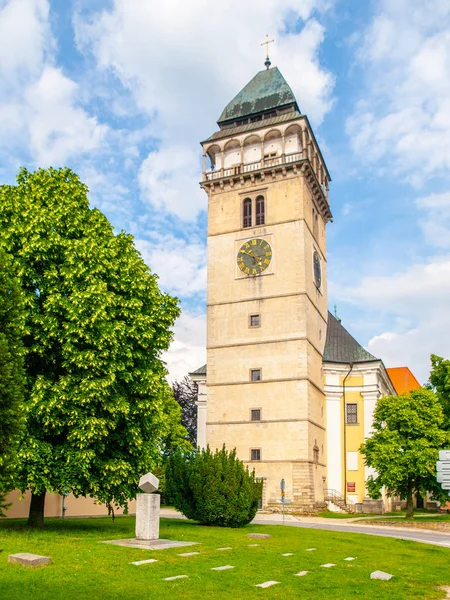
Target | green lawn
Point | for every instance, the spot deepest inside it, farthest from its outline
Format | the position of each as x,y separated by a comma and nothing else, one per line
83,568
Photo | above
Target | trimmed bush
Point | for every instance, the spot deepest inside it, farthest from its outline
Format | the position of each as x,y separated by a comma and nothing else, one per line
212,488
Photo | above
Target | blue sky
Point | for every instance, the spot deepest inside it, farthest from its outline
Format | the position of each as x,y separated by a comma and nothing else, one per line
122,91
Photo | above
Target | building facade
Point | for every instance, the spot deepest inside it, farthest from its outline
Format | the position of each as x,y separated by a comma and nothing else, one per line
267,187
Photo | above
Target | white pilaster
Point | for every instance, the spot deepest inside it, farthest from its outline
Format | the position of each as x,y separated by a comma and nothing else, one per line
334,442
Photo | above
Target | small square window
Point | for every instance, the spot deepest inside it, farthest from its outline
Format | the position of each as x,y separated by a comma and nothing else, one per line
255,320
255,414
255,453
352,414
255,374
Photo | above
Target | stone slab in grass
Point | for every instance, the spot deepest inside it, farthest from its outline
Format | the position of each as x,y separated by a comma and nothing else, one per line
253,545
189,554
144,562
350,558
288,554
226,548
27,559
259,536
328,565
301,573
310,549
149,544
267,584
175,577
224,568
381,575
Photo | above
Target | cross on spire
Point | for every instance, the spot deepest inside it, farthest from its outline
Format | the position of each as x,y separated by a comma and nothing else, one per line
266,43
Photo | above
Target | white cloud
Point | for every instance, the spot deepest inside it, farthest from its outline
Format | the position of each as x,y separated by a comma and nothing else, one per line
419,295
180,265
183,61
24,38
40,107
168,181
187,352
403,123
436,223
58,128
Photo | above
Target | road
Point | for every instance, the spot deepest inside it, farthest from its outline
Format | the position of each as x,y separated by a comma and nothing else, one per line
424,536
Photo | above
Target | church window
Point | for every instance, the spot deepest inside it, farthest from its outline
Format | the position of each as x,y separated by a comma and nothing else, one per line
255,453
255,374
247,213
255,321
260,211
352,414
255,414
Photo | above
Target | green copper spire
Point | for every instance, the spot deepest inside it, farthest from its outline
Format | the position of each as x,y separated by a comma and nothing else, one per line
267,90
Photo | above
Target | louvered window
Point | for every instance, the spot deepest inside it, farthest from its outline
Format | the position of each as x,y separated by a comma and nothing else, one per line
260,212
247,212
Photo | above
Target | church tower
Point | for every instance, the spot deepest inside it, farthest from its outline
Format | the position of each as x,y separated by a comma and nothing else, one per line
267,186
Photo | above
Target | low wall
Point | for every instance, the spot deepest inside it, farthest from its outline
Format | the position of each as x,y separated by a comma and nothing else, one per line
75,507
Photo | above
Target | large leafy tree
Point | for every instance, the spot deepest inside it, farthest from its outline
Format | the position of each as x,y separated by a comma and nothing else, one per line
12,374
404,446
96,403
440,380
186,393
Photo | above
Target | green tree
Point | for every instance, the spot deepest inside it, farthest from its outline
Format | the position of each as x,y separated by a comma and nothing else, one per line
212,488
440,380
186,393
12,374
97,324
404,446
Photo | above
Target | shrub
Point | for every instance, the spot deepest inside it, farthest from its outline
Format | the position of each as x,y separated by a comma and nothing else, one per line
212,488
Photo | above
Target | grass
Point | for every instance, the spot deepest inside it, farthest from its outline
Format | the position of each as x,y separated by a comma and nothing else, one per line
84,568
419,515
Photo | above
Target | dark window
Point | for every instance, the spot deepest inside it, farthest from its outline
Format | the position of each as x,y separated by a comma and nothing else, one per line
260,216
255,321
316,455
247,212
255,374
255,414
352,413
255,454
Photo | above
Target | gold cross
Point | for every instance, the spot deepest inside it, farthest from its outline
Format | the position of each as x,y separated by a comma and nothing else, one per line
267,42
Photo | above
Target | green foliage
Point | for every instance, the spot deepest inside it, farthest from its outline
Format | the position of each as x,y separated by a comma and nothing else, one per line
440,380
97,401
12,374
212,488
186,394
404,446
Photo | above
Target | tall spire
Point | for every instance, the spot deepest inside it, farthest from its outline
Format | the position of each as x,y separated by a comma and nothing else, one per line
266,43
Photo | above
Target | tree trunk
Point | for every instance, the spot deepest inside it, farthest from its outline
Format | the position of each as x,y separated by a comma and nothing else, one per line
36,514
409,504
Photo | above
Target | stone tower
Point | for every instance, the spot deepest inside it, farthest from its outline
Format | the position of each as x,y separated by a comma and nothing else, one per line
267,186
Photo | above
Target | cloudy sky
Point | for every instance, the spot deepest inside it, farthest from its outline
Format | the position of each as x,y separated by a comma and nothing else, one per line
122,91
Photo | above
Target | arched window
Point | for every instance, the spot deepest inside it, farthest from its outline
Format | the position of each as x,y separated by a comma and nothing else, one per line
260,211
247,212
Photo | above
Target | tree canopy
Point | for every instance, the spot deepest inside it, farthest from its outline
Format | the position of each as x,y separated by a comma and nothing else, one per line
96,325
185,393
440,380
12,374
404,446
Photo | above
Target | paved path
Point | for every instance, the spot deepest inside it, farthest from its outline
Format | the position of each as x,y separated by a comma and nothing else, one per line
425,536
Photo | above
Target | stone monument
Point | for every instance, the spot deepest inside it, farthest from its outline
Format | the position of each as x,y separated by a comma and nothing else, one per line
147,521
148,508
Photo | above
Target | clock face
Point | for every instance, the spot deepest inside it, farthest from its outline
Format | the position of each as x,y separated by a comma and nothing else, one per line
254,256
317,269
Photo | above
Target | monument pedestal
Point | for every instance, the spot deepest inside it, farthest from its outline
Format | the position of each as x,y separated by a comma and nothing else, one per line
147,516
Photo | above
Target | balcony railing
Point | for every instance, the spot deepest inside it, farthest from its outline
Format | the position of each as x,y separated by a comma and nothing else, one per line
253,166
